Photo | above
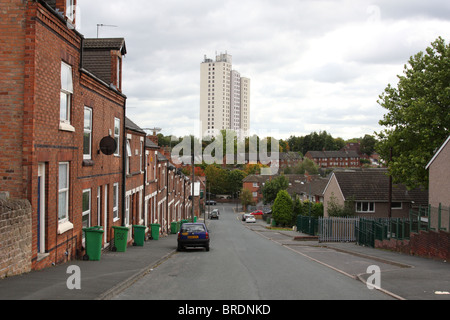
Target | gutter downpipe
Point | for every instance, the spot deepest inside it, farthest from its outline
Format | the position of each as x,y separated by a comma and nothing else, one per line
124,163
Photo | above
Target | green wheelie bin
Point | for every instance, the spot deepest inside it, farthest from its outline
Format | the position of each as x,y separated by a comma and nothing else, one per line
120,238
155,231
183,221
173,227
139,235
93,241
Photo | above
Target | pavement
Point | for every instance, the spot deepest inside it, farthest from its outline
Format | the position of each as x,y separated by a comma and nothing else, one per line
403,277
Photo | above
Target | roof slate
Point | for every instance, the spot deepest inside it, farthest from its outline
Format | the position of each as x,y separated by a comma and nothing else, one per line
373,185
97,55
105,43
150,144
132,126
334,154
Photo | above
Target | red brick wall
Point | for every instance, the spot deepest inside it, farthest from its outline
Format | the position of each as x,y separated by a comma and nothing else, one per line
33,49
53,43
430,244
12,82
150,187
135,178
258,190
105,170
27,82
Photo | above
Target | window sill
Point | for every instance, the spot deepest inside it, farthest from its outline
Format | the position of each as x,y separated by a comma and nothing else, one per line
42,256
64,227
66,127
88,163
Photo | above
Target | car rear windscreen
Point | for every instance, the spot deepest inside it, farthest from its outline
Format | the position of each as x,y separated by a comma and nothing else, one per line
192,228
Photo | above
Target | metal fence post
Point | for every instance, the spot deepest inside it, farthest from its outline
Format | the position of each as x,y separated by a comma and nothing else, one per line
439,216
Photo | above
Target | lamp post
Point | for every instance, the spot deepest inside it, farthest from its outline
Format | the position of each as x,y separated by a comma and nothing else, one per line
390,187
209,196
193,188
309,207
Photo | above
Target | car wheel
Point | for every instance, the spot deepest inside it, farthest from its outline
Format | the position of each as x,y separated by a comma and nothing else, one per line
179,248
207,248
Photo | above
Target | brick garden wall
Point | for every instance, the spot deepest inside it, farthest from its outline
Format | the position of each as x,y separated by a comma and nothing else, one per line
429,244
15,237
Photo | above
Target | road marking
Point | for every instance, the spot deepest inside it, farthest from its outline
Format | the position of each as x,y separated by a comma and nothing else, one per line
357,277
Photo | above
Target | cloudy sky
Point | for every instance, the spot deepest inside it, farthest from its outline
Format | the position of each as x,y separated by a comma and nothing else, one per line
314,65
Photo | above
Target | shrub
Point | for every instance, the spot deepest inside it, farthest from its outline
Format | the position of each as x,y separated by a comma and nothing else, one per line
282,208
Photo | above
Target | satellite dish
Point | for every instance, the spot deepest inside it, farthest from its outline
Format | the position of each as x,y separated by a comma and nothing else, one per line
108,145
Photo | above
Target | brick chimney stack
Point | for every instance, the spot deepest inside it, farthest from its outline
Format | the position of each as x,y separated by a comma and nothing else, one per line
153,138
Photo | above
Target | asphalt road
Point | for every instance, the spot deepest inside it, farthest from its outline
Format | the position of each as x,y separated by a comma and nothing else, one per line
243,265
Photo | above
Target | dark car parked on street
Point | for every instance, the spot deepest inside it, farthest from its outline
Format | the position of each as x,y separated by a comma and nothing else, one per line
193,235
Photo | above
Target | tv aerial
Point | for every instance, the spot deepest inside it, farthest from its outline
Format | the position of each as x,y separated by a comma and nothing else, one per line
154,130
104,25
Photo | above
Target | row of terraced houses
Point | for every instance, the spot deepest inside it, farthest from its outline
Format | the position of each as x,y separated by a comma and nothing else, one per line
67,146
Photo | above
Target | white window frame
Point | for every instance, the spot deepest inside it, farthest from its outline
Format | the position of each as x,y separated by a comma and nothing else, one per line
128,155
127,210
141,213
88,211
64,190
64,224
141,155
88,131
117,135
396,207
119,62
115,202
146,163
70,10
66,96
370,207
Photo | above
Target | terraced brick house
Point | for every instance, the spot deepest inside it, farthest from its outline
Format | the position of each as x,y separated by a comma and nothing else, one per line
369,191
62,126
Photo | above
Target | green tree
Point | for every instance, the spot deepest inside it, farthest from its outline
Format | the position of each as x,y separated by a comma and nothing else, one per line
368,145
217,177
234,180
337,210
282,209
315,142
307,165
246,198
272,187
305,208
418,118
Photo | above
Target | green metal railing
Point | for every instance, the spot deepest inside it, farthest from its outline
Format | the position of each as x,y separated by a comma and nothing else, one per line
422,219
367,230
439,218
307,225
371,229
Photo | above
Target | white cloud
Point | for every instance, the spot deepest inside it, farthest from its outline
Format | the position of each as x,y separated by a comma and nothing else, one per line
314,64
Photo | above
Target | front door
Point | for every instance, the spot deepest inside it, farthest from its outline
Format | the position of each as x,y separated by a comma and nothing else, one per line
105,217
41,209
99,206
